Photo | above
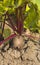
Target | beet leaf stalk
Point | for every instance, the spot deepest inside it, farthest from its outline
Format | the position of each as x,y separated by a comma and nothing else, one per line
3,24
11,23
19,20
8,38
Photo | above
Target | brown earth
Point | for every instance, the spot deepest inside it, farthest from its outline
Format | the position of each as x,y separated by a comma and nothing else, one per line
28,55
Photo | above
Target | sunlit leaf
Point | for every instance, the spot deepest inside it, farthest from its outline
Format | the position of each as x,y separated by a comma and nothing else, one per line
36,2
27,8
38,23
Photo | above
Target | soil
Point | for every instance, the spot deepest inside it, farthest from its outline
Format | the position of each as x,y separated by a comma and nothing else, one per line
28,55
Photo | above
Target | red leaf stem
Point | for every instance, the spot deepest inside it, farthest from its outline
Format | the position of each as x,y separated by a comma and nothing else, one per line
19,20
3,24
8,38
30,36
11,22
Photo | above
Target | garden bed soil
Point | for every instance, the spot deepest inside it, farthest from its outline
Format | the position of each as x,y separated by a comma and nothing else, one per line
28,55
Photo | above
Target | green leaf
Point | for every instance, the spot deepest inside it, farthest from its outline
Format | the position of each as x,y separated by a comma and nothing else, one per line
31,19
36,2
7,33
1,9
38,23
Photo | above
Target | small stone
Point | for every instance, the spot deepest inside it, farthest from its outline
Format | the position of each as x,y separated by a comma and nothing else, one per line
9,51
38,56
15,54
6,47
